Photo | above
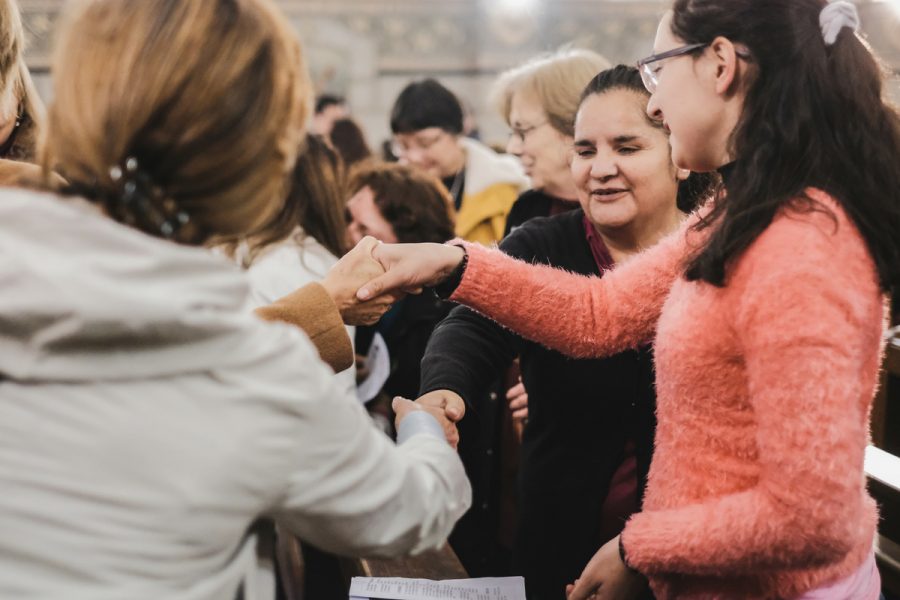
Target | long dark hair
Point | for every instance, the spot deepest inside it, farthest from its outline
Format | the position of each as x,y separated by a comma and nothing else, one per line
814,116
348,139
315,202
694,190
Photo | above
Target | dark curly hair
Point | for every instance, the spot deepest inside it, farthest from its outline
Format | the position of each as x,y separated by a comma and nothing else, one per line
417,205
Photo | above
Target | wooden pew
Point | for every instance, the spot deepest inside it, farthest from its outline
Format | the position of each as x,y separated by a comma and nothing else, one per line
435,564
883,474
886,408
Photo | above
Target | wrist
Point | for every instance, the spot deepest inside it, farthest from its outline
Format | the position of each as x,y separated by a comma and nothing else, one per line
456,268
623,556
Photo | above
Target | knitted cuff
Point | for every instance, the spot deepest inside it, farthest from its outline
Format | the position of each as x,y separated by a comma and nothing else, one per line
445,289
623,557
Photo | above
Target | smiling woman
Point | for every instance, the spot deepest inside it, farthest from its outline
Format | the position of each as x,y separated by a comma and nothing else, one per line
538,100
584,416
623,169
427,124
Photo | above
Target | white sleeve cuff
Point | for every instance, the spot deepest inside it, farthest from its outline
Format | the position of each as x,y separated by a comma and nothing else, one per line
418,422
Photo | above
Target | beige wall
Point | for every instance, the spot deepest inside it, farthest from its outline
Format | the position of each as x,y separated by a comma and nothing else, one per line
367,50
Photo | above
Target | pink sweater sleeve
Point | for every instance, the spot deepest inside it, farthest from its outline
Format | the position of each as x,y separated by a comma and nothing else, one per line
808,317
574,314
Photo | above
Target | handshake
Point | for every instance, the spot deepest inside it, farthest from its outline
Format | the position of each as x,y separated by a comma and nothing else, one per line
369,279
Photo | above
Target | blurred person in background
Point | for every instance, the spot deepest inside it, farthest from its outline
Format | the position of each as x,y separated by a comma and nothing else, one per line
307,237
427,124
538,100
328,109
395,203
348,139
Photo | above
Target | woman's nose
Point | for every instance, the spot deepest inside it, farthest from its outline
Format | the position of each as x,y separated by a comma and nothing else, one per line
653,109
514,145
603,167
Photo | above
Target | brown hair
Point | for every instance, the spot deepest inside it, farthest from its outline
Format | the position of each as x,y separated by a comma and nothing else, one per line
200,104
416,204
554,80
18,98
315,202
349,140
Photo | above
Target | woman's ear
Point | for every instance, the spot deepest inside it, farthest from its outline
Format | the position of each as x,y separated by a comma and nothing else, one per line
725,57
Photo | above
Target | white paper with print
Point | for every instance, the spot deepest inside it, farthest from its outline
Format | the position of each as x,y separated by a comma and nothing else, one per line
401,588
378,362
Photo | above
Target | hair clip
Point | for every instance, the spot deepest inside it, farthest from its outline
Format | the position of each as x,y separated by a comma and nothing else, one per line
835,16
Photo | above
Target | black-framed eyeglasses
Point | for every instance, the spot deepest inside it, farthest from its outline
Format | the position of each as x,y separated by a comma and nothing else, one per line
649,74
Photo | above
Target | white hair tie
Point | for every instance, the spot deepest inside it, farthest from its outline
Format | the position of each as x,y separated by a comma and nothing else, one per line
834,17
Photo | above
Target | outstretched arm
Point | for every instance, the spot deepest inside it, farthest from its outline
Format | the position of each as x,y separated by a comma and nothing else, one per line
574,314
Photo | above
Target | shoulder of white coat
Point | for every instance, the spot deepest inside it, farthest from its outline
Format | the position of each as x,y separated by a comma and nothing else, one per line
485,168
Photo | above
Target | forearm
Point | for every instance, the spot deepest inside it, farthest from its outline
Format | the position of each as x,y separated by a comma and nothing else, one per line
465,354
365,496
311,309
741,534
809,339
574,314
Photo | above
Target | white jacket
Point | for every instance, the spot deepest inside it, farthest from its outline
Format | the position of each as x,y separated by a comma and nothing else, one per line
290,264
147,418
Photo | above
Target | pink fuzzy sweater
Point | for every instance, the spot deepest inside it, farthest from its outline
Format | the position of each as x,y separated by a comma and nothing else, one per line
764,387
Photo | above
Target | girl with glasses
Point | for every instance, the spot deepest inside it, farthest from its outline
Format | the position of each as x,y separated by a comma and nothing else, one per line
766,310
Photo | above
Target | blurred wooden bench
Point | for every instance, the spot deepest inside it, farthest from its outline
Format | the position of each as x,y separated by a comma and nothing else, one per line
435,564
883,474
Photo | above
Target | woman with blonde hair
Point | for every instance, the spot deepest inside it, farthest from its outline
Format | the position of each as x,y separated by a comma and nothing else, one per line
21,111
147,418
538,100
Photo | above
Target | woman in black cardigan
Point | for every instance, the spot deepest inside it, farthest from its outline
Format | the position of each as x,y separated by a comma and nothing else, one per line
584,462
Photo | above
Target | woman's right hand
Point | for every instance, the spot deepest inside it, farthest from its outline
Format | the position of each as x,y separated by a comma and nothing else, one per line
518,402
403,407
410,267
353,270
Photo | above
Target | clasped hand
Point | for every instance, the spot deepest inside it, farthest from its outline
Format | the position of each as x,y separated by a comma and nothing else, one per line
387,272
606,577
354,270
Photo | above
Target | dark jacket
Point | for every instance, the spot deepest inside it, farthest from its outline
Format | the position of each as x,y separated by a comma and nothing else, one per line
532,204
405,329
580,414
